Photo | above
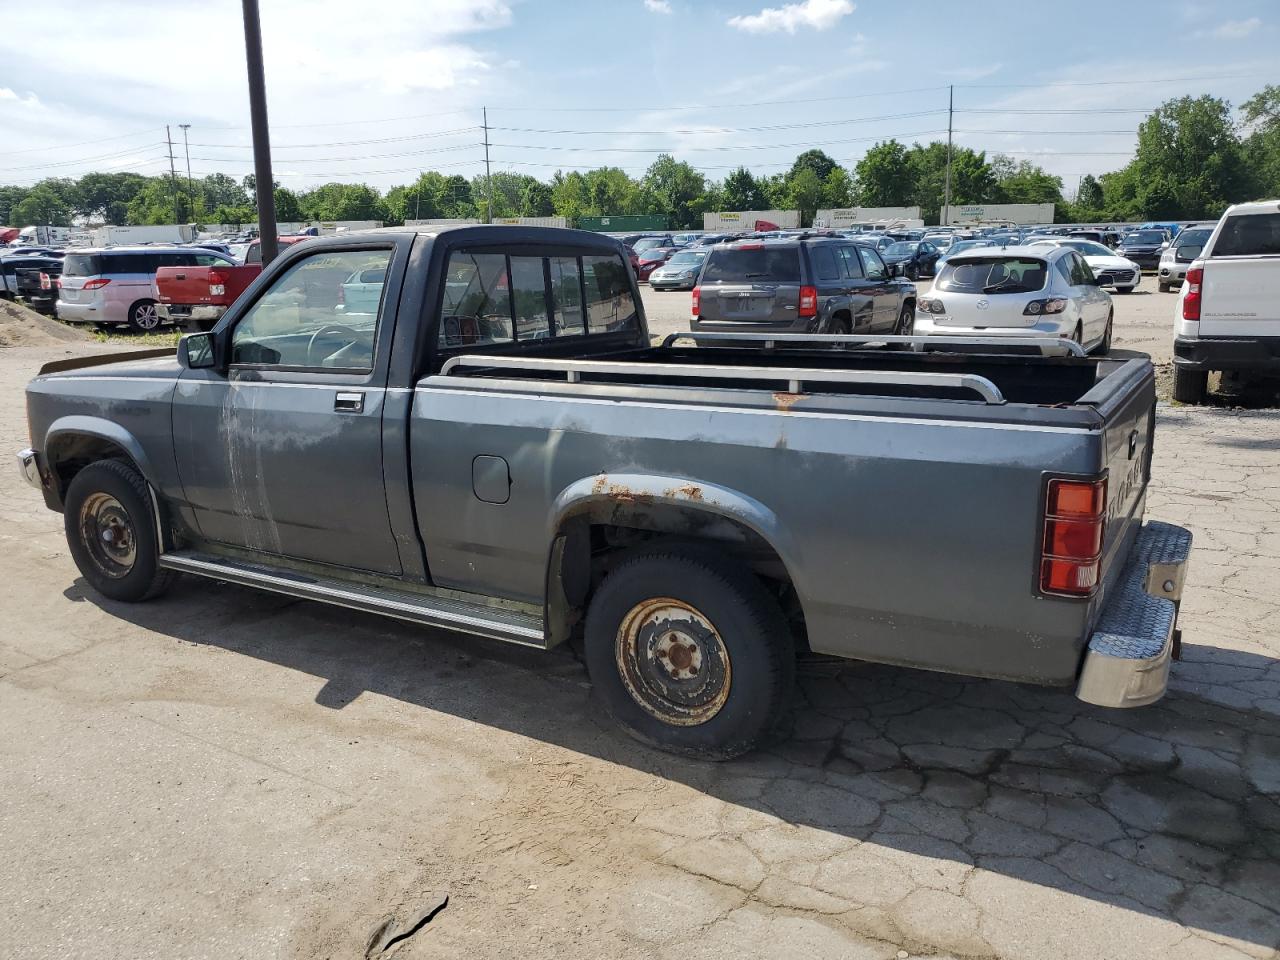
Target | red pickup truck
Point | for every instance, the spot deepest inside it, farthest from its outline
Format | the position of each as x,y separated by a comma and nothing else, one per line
194,298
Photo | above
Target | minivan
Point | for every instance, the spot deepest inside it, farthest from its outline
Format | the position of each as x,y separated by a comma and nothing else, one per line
112,286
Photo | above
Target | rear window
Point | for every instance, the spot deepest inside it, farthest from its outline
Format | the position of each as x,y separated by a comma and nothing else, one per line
82,265
645,243
1249,236
775,264
1145,236
992,275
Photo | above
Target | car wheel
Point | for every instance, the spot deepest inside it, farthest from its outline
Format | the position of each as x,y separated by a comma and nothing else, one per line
906,320
1164,287
1190,386
690,653
111,532
1104,347
841,325
143,316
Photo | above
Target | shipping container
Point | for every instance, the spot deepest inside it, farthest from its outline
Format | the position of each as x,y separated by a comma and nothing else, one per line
42,236
532,221
110,236
731,221
626,223
850,218
974,214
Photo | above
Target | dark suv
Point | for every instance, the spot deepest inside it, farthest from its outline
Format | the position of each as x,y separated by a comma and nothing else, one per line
820,285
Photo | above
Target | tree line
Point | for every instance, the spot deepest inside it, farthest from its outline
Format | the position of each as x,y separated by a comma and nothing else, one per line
1193,158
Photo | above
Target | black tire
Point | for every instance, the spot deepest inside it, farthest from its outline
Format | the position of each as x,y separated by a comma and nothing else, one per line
1104,347
108,569
841,325
1164,287
143,317
906,320
741,681
1190,386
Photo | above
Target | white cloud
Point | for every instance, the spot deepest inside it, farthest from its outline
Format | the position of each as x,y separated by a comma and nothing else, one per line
658,6
817,14
1236,29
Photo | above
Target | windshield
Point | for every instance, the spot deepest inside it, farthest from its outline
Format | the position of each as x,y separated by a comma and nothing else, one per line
778,264
686,259
646,243
960,246
902,249
992,275
1145,236
1088,248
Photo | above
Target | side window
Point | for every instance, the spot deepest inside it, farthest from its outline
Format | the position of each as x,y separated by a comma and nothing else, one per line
566,296
176,260
872,264
824,263
209,260
1064,271
610,305
254,255
322,311
529,290
1081,271
477,301
852,263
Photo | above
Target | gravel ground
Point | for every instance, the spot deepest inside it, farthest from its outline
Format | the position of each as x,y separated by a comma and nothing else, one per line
223,773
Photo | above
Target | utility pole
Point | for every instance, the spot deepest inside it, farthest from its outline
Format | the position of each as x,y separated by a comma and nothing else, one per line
261,139
946,202
173,176
191,190
488,177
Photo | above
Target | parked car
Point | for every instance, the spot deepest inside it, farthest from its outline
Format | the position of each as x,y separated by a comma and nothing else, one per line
9,267
1228,313
195,296
805,286
1177,257
442,469
1041,291
38,286
680,272
113,286
917,258
650,241
1123,273
650,259
1144,247
960,246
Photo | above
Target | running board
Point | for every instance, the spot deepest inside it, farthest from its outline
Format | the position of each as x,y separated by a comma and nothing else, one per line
447,613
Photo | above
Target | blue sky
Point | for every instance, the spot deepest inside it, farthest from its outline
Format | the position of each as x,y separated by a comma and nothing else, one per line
376,92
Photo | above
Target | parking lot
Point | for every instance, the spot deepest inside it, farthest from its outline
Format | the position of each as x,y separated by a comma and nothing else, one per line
225,773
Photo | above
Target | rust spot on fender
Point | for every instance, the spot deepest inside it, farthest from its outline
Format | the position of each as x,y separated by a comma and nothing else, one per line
687,491
785,401
620,492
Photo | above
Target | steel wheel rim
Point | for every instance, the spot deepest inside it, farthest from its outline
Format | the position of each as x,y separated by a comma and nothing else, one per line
147,317
907,321
108,535
673,662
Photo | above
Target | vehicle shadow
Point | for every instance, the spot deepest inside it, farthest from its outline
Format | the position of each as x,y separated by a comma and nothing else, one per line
1172,811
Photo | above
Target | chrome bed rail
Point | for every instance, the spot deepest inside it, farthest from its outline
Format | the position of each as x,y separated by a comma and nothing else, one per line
1049,346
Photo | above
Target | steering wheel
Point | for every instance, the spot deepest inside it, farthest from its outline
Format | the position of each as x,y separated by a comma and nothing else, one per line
330,328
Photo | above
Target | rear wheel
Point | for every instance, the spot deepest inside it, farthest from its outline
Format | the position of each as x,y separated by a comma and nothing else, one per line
1105,347
143,316
1190,386
690,653
841,325
906,320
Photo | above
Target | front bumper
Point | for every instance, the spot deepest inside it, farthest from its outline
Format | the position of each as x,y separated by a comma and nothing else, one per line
1173,272
1227,353
672,283
1127,660
29,467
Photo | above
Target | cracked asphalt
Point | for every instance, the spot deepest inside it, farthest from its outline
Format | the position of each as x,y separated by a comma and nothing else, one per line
223,773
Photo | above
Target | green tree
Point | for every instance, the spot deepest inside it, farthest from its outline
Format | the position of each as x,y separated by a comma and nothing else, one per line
10,197
42,205
806,191
536,200
814,160
883,176
837,188
155,203
219,190
676,187
289,207
1261,115
569,194
1089,194
105,196
338,201
1021,181
742,191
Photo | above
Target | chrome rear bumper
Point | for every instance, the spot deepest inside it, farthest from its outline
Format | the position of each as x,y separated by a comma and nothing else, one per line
1127,661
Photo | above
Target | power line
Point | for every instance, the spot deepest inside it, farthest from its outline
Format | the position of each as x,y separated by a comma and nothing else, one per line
82,143
345,143
1108,83
704,131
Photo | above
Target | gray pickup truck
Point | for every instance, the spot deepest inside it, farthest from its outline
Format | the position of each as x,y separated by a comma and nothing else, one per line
471,429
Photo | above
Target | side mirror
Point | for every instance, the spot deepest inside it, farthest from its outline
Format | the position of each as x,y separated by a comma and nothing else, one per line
196,351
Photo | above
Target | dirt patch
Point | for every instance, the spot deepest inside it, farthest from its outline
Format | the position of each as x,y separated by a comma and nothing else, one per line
23,327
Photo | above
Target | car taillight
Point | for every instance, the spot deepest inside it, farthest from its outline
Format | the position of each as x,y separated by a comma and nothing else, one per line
808,302
1071,553
45,282
217,283
1191,301
96,283
696,306
1037,307
930,305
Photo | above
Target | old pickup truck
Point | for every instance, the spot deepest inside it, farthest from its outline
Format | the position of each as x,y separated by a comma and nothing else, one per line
470,429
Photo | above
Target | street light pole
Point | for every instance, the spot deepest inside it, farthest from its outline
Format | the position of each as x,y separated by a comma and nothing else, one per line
261,139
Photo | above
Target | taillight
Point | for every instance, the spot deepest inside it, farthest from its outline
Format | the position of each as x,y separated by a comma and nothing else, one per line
1074,519
930,305
218,276
1191,300
808,302
217,283
45,282
1037,307
95,284
696,306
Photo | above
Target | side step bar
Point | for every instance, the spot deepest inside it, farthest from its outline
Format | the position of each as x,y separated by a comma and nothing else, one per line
447,613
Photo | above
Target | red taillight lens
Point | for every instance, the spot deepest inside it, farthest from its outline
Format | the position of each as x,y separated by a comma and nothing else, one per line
96,283
218,276
1191,302
808,302
1071,555
696,306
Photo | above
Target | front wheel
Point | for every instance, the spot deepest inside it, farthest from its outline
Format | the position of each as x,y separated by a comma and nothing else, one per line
143,316
111,532
690,653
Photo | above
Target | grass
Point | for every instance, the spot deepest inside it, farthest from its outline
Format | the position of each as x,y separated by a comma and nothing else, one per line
157,338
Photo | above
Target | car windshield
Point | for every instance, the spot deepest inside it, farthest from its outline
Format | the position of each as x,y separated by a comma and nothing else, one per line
776,264
1088,248
960,246
1145,236
646,243
992,275
686,259
904,249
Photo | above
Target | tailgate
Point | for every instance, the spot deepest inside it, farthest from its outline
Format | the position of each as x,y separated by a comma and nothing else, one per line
748,302
1240,297
183,285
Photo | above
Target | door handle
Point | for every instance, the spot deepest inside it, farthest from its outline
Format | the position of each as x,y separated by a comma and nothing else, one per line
349,402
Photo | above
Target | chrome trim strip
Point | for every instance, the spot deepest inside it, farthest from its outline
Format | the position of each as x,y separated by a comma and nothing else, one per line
820,340
29,467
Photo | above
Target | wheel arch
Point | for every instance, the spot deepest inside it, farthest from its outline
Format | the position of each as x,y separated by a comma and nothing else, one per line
640,508
73,442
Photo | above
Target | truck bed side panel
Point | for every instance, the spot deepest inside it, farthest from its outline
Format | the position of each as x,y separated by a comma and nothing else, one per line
909,541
